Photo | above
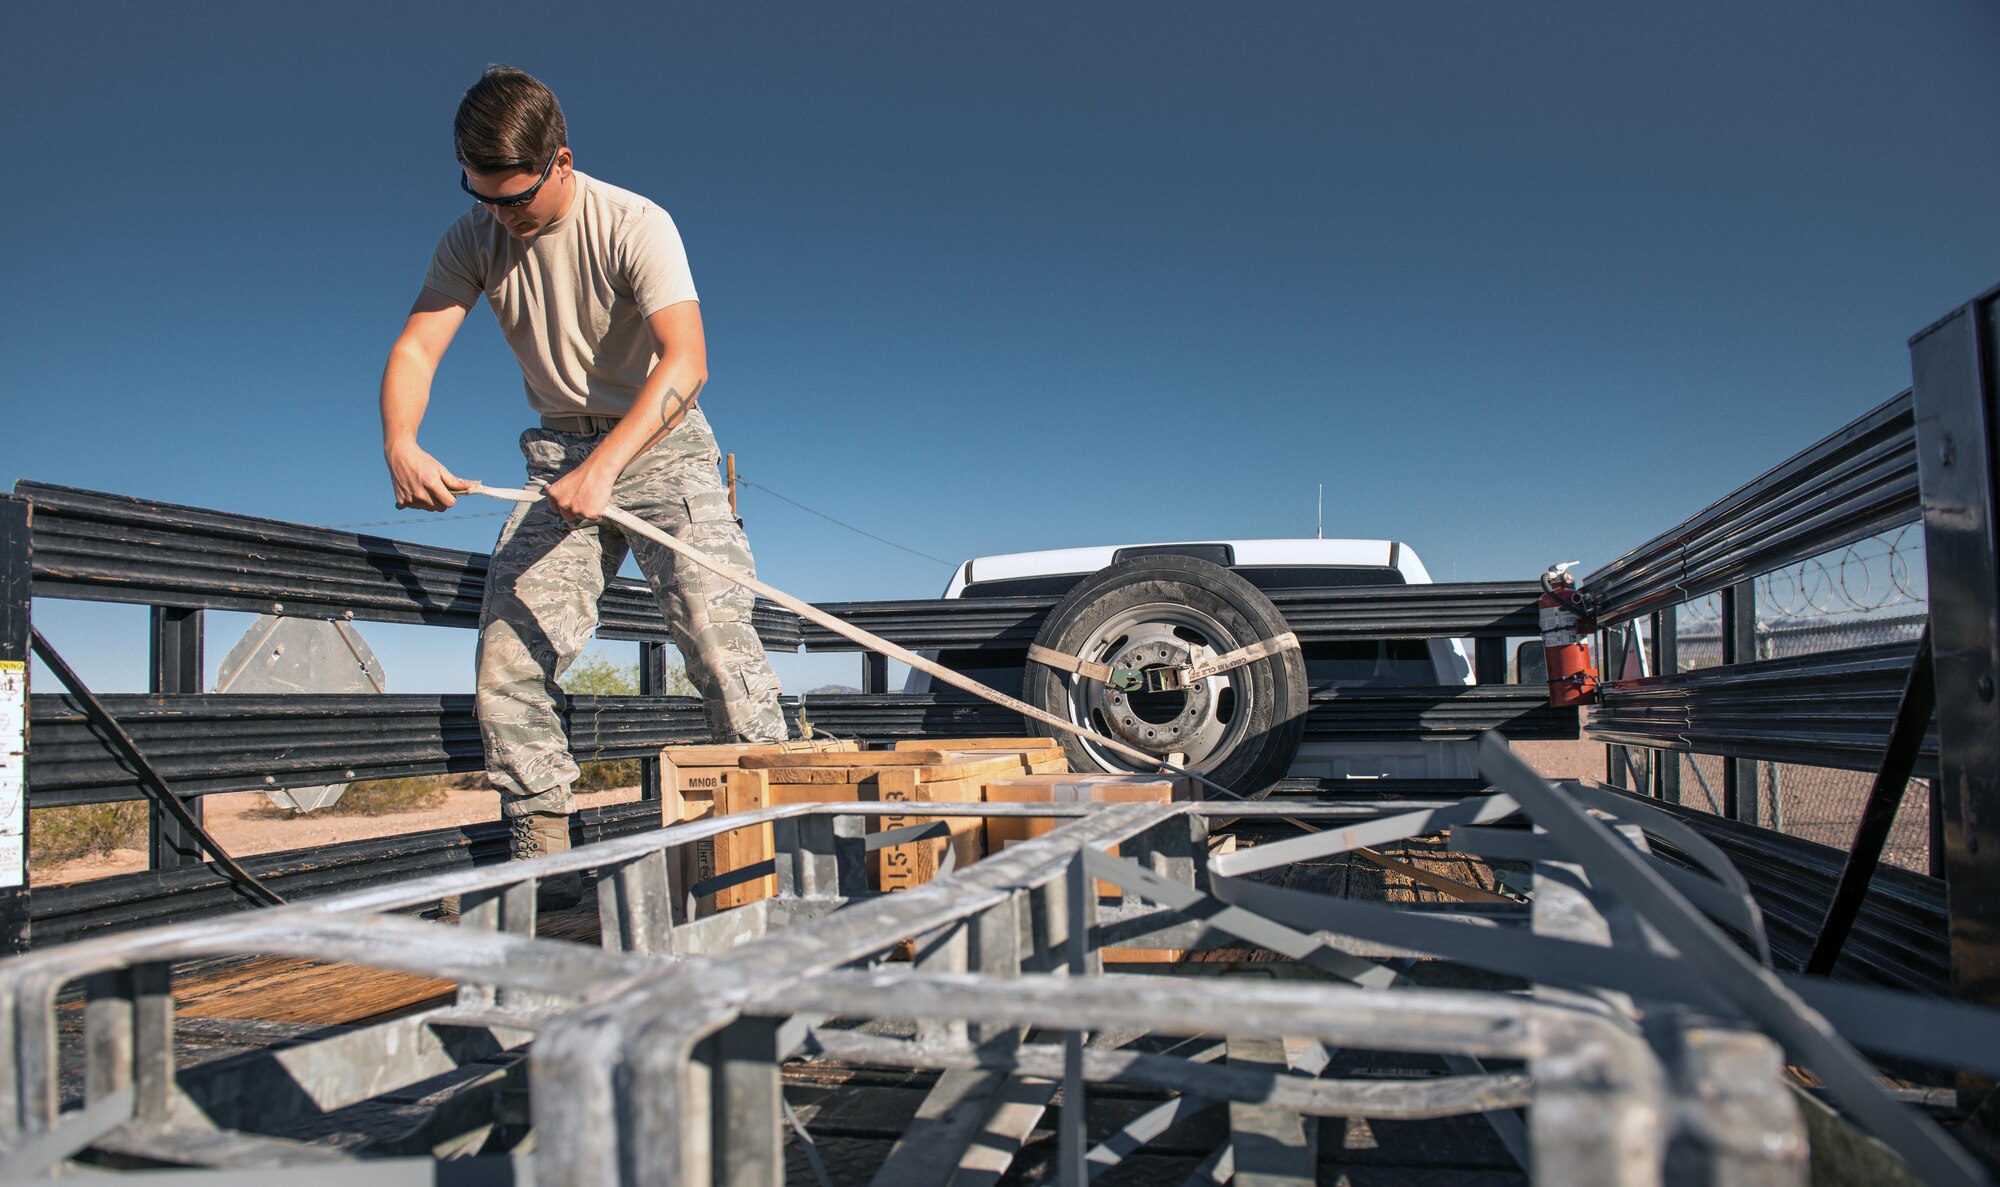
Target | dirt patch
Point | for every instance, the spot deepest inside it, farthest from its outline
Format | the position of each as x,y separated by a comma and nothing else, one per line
1576,758
243,824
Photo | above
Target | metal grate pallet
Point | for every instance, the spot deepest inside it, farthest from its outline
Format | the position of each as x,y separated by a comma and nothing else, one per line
1613,1034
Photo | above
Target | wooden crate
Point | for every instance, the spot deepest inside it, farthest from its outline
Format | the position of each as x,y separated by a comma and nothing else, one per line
690,776
691,784
932,764
937,772
1040,752
742,791
1073,789
914,863
1091,789
1039,756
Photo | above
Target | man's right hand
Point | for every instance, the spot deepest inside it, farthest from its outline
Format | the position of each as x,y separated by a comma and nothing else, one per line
421,480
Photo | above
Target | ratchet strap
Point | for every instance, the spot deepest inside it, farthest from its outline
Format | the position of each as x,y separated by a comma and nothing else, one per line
1243,655
1088,669
1164,679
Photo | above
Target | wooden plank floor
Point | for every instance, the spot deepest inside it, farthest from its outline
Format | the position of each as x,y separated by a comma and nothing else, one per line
330,993
304,992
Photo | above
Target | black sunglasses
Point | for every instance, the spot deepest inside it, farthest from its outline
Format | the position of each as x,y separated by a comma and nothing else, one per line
521,199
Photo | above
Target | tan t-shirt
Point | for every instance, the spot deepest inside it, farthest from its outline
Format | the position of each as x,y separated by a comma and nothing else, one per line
573,301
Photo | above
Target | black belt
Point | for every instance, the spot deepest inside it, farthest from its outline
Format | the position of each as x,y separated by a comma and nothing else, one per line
580,424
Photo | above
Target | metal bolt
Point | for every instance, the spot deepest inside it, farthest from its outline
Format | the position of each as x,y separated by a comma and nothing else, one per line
347,774
271,779
277,607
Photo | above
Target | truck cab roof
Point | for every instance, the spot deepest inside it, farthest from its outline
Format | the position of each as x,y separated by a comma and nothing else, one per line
1280,564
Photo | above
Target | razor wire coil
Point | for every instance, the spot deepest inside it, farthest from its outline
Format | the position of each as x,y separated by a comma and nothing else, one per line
1870,576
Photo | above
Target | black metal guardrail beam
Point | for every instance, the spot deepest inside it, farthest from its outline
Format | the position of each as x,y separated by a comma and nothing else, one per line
1833,709
310,739
126,901
1479,609
1859,480
1441,711
1899,936
300,741
932,624
1450,710
111,548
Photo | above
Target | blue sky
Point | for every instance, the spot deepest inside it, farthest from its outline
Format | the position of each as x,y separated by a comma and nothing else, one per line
1517,283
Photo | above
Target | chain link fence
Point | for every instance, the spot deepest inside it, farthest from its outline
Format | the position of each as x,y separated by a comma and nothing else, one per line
1818,804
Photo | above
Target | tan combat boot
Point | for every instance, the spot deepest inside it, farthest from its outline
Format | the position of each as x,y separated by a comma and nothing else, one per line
537,834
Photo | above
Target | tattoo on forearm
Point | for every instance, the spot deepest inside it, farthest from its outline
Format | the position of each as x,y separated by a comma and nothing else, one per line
673,406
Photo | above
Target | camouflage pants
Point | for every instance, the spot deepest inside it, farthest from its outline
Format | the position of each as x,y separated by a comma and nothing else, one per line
541,608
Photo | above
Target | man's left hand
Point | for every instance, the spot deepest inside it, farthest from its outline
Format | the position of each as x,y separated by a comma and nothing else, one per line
580,494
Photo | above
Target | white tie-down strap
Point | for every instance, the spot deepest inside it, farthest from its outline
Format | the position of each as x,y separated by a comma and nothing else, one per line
639,527
1243,655
1087,669
1229,661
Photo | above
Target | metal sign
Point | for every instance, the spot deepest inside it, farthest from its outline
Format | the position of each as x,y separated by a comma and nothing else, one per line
301,655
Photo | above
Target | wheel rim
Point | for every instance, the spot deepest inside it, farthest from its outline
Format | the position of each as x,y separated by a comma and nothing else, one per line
1206,723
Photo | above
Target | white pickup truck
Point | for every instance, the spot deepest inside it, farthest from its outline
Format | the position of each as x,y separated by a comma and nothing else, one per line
1182,617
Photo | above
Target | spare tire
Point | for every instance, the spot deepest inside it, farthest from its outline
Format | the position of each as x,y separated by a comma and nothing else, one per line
1240,728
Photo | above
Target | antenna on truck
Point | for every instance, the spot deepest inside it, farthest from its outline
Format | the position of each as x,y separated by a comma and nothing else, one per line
1320,532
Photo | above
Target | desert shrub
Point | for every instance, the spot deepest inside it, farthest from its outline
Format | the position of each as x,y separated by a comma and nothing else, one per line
64,834
617,772
594,675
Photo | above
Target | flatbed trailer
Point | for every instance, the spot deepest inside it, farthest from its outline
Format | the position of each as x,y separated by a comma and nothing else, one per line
1634,1011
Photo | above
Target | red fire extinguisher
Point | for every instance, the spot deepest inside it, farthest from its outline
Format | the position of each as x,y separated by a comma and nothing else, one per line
1566,627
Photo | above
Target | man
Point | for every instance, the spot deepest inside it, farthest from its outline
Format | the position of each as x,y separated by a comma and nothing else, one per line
591,288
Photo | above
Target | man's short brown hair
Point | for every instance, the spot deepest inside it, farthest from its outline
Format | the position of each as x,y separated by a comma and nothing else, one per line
508,120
